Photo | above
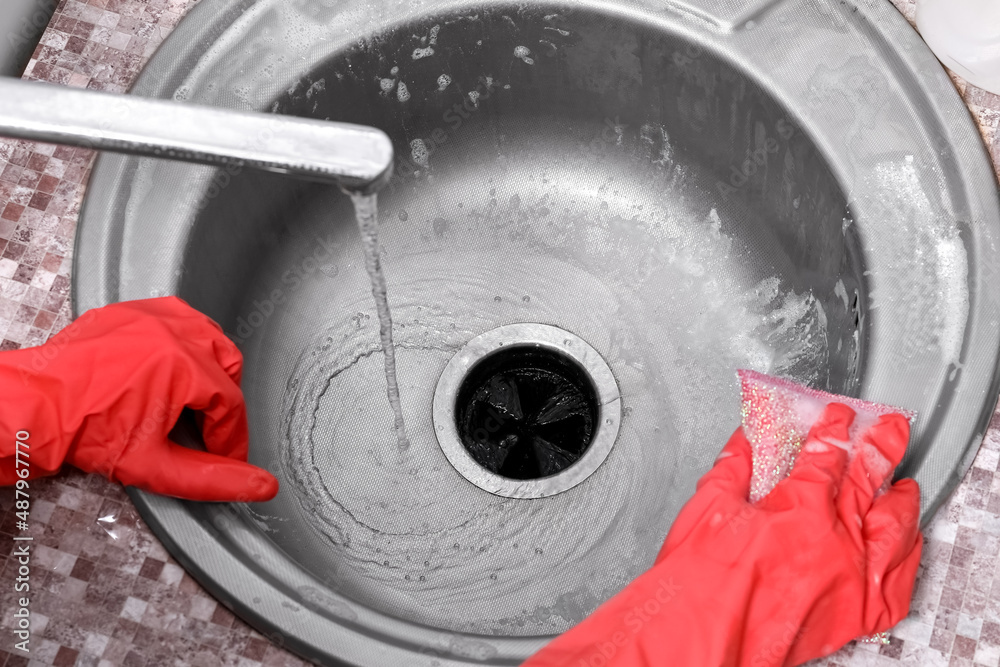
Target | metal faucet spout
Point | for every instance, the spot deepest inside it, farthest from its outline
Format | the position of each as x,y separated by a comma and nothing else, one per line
356,157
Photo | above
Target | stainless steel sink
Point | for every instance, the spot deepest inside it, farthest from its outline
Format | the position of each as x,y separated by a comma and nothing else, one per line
685,188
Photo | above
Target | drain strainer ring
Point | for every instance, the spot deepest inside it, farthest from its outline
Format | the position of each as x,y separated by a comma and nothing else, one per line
526,410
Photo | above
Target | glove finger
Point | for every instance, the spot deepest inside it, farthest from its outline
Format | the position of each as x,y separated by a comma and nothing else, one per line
194,475
892,525
819,467
722,492
221,409
893,544
193,326
204,328
230,358
732,469
890,435
875,458
883,446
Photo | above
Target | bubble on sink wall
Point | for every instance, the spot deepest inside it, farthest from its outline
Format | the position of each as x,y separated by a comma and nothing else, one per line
422,52
443,82
953,272
841,291
923,256
387,85
656,137
318,86
524,53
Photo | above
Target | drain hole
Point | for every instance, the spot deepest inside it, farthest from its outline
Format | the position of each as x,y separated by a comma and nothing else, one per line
526,412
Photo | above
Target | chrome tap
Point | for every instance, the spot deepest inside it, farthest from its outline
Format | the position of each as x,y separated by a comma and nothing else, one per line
356,157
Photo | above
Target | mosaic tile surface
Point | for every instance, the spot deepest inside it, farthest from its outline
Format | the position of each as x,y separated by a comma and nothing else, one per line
105,592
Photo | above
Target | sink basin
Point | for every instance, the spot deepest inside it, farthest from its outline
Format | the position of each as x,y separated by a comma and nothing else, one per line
683,188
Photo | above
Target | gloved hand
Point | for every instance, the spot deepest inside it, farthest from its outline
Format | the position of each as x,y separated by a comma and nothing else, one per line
816,563
103,394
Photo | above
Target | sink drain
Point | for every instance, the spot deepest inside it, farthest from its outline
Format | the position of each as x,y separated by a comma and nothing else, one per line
526,410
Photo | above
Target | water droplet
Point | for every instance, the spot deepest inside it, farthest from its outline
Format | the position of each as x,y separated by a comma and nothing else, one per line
493,576
456,547
403,215
539,551
497,299
407,577
423,578
402,92
419,152
427,563
526,298
386,563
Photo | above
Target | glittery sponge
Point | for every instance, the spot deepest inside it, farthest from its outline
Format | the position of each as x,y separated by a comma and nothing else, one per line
777,415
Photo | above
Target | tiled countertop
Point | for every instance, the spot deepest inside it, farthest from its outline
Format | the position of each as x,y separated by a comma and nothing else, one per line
105,591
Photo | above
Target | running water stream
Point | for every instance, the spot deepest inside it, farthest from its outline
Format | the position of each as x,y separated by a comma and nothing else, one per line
366,211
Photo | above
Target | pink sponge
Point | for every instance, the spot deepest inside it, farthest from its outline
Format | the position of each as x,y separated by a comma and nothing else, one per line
777,415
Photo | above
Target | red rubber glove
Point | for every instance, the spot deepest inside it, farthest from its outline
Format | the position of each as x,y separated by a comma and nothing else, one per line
103,394
816,563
